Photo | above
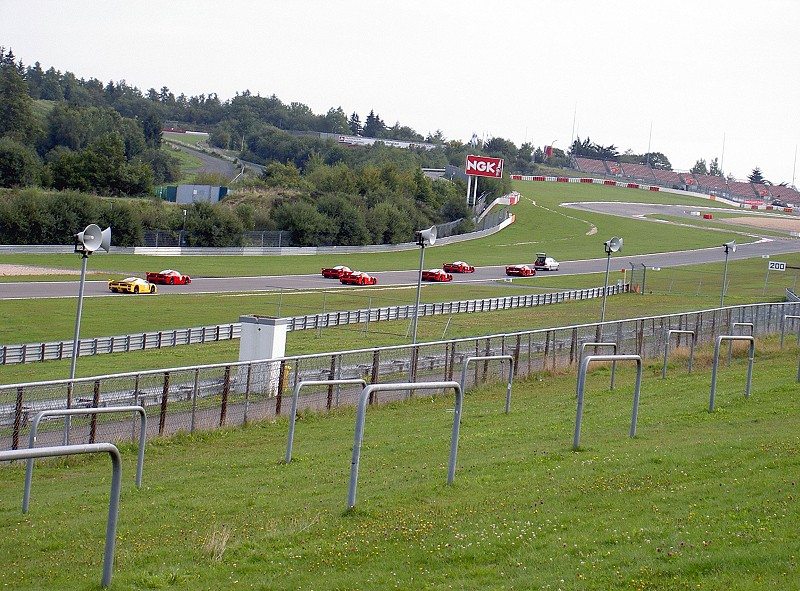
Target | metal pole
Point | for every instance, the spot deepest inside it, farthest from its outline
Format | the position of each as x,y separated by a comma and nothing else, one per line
76,339
419,287
724,280
644,276
605,288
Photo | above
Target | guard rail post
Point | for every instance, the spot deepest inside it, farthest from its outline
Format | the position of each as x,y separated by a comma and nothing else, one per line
113,504
296,395
361,417
26,494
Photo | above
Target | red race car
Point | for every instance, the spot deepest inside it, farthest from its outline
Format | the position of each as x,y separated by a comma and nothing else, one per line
336,272
458,267
436,275
358,278
169,277
520,270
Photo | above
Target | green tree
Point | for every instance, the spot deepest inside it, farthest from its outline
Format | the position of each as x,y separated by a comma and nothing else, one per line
335,121
374,126
713,168
354,124
306,225
212,226
699,167
350,221
756,176
656,160
19,165
16,112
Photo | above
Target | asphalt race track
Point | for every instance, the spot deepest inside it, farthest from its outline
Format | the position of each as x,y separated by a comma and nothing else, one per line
61,289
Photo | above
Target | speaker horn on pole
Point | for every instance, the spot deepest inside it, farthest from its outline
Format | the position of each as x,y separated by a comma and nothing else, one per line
427,237
93,238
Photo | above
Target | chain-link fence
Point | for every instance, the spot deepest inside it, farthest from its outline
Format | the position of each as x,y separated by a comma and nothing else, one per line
210,396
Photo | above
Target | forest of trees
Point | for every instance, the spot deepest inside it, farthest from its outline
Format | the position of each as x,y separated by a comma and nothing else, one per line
64,133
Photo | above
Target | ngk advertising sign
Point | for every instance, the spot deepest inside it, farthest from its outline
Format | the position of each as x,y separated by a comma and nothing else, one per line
484,166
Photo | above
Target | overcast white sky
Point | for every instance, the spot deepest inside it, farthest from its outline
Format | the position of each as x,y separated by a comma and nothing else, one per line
698,71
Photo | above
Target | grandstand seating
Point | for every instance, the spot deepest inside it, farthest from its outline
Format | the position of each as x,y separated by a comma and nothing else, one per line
741,189
667,177
712,182
591,165
786,194
640,172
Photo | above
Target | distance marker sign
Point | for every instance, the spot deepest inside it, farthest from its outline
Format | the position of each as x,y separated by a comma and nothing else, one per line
776,266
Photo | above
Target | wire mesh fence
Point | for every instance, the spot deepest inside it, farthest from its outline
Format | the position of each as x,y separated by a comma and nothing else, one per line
206,397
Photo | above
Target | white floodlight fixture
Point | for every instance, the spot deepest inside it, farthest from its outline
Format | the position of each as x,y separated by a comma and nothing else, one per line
86,242
423,238
729,247
613,245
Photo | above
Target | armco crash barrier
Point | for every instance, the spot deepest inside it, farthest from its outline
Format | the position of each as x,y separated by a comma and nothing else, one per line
208,396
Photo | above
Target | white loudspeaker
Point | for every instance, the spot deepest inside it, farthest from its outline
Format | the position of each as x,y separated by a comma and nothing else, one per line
427,237
93,238
730,246
613,245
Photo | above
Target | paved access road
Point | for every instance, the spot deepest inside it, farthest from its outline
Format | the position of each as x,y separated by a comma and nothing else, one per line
765,246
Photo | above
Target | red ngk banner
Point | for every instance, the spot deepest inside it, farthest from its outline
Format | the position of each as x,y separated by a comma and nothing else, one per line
484,166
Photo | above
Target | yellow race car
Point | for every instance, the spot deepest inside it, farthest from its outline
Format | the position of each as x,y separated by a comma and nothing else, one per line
132,285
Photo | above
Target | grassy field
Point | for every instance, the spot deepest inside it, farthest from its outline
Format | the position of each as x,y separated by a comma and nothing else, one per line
694,501
186,138
565,234
668,291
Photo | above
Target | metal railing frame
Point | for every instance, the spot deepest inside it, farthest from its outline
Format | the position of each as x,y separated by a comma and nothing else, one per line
116,478
296,396
667,334
576,440
730,337
596,346
510,383
749,325
71,412
783,326
358,435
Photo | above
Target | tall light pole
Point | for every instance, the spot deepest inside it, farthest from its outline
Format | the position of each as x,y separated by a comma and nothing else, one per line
729,247
86,243
424,238
610,246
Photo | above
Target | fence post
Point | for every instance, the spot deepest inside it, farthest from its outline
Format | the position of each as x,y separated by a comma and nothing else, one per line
573,344
279,395
226,388
516,354
247,393
17,419
486,363
376,359
452,361
95,404
158,342
162,417
546,350
331,375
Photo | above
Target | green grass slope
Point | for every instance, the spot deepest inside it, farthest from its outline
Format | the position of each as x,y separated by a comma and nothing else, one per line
695,501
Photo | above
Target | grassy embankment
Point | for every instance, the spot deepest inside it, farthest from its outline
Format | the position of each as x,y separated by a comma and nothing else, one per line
695,500
544,226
